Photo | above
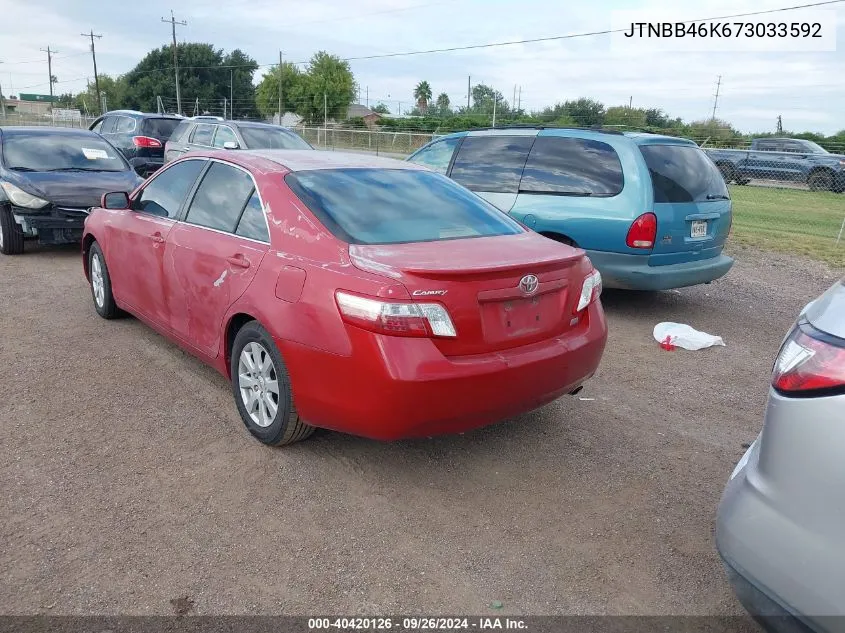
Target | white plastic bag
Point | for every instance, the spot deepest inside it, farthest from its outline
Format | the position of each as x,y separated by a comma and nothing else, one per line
681,335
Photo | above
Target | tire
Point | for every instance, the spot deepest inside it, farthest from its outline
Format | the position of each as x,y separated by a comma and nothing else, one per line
100,282
252,348
11,235
820,181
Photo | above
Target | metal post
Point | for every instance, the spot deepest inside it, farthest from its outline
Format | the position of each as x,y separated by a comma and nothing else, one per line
231,93
841,228
91,36
2,102
281,114
173,23
469,91
495,99
716,100
325,112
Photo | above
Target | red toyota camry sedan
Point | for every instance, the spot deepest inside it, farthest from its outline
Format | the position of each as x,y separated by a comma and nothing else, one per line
350,292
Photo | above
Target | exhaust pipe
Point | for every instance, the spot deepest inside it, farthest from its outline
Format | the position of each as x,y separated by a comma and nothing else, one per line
576,391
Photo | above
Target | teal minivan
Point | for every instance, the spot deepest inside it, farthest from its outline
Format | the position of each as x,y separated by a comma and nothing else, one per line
653,212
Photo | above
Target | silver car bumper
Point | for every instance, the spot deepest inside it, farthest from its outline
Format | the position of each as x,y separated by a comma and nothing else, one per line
781,518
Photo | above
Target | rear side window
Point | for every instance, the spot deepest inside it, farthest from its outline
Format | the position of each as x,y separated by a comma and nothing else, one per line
436,156
125,125
162,129
271,138
683,173
220,198
572,166
202,134
392,206
491,163
252,223
769,146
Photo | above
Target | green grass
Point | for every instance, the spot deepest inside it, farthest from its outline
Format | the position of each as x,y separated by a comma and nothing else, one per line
790,221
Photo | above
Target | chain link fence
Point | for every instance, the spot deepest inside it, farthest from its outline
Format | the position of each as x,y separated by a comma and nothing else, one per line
381,142
45,120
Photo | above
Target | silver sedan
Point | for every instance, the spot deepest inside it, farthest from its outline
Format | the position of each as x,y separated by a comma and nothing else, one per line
781,522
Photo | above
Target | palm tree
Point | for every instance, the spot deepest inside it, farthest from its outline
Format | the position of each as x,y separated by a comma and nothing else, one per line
443,103
422,93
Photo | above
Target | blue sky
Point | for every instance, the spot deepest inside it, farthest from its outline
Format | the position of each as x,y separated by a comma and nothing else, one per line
805,88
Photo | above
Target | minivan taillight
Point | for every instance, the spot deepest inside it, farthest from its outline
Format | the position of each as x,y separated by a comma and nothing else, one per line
809,364
395,318
643,232
145,141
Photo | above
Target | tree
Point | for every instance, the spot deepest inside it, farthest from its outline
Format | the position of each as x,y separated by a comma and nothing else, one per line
586,112
381,109
114,90
624,116
655,117
422,93
202,76
267,92
483,98
240,72
328,80
443,104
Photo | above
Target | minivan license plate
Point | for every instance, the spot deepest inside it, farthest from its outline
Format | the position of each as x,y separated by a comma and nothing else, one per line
699,229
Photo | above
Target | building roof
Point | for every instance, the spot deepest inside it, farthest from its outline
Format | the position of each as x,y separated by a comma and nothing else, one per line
357,110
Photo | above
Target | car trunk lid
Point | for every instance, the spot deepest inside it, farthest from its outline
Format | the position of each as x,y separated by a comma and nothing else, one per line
478,281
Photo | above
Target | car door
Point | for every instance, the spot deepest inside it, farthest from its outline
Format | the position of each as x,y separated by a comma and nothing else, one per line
794,161
491,165
437,155
201,136
763,161
214,253
135,243
176,145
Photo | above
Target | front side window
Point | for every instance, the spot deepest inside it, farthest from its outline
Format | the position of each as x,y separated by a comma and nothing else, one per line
436,156
165,193
98,126
224,135
252,223
220,198
79,151
202,134
683,173
491,163
392,206
572,166
271,138
108,125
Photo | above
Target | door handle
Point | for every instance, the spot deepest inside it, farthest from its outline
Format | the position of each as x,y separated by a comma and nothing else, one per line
157,238
238,260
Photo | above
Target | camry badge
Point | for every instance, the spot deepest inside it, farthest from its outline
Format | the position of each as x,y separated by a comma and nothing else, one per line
428,293
529,284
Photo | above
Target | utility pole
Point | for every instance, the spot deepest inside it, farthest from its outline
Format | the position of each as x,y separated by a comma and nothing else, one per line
92,35
520,99
513,103
368,96
173,23
231,93
469,91
2,102
630,101
281,74
325,112
50,70
495,99
716,100
780,125
224,107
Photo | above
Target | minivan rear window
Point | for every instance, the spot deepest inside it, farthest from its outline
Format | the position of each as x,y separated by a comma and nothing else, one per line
683,173
492,163
572,166
161,129
394,206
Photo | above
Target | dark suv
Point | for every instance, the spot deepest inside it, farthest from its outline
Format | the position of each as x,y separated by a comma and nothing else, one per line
202,132
139,136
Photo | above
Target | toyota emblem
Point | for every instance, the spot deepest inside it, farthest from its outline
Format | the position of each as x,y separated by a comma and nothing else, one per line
529,284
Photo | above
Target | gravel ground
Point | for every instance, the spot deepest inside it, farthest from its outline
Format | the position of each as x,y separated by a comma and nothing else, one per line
127,480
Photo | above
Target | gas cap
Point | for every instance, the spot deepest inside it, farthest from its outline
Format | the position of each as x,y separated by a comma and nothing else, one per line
529,221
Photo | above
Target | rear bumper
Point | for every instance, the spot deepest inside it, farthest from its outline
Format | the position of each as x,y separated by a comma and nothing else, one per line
632,272
391,388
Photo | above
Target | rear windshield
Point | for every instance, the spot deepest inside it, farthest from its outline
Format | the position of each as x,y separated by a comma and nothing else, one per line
162,129
683,173
393,206
179,131
271,138
36,151
573,167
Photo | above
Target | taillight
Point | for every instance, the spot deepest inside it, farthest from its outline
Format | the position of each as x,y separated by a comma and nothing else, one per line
145,141
642,232
810,364
395,318
590,290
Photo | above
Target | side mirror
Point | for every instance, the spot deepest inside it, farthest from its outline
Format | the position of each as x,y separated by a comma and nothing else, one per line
115,200
230,145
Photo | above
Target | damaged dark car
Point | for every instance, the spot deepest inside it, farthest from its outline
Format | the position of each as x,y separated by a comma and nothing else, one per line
50,178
